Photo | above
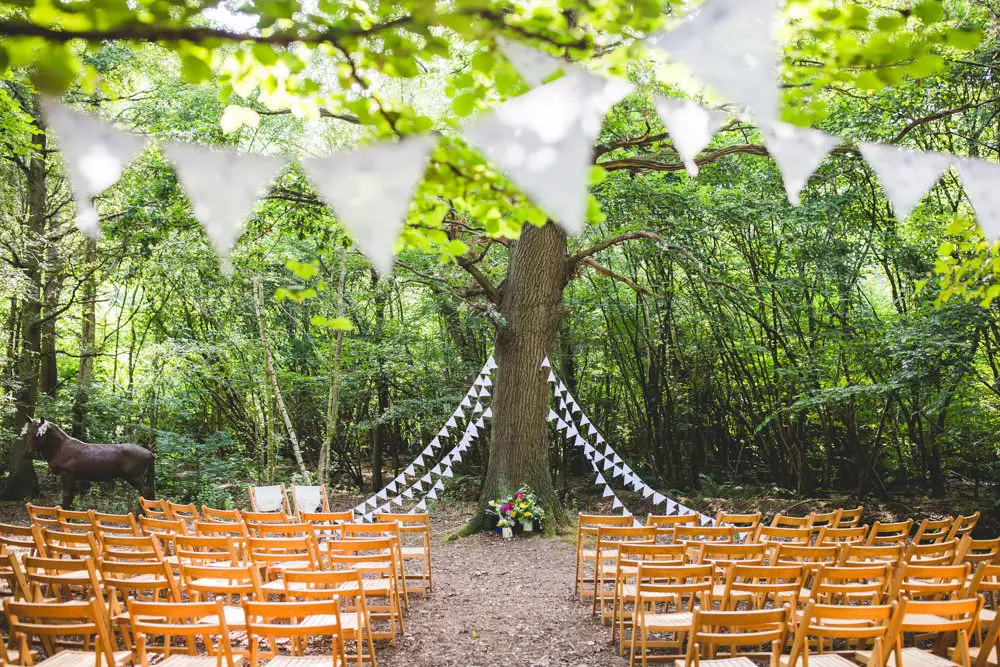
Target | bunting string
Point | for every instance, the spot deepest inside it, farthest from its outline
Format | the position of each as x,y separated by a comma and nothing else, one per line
542,140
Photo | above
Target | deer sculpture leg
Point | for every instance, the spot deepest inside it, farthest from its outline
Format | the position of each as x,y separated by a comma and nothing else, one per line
69,490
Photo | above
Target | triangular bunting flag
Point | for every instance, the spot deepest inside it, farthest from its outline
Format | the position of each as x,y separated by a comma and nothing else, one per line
533,65
451,423
458,414
477,408
729,45
980,179
457,456
391,486
419,460
418,485
647,491
432,493
608,491
487,382
436,470
579,442
408,493
617,471
617,459
797,151
382,495
544,140
906,175
691,127
426,479
466,403
600,479
616,504
443,433
561,425
584,421
490,364
410,470
422,505
658,498
545,363
96,154
439,485
370,190
571,431
223,187
397,501
608,465
484,392
552,377
428,451
671,505
479,424
447,472
487,413
591,430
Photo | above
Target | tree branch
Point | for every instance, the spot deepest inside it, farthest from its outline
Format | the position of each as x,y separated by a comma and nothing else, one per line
605,271
614,240
944,113
491,290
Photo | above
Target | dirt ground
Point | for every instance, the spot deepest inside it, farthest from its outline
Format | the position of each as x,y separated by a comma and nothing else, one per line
499,602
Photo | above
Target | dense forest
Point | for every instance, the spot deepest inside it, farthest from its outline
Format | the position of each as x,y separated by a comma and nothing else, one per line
716,334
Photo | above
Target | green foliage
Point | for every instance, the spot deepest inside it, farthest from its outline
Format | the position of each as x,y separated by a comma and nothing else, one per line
211,472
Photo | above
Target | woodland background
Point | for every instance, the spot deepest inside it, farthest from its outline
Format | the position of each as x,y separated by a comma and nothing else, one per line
724,341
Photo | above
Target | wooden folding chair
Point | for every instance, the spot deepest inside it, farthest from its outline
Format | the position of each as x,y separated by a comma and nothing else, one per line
44,517
693,537
154,509
252,519
210,550
62,579
286,529
932,553
862,584
785,521
114,524
275,555
23,539
626,574
586,532
930,582
744,525
941,618
845,535
666,596
849,518
725,554
12,574
269,499
238,531
985,582
821,519
233,584
295,622
863,554
49,622
665,523
609,538
132,548
150,581
373,558
812,559
932,531
189,621
62,544
348,585
74,521
187,513
851,625
963,525
417,525
772,536
760,586
897,532
352,531
220,515
729,638
988,651
978,551
309,499
166,531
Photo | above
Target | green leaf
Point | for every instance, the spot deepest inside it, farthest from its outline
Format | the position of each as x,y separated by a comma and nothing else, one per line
194,69
464,104
303,270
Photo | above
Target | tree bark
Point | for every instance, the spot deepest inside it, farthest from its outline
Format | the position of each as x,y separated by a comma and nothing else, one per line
333,402
381,436
81,399
531,305
49,371
279,402
21,479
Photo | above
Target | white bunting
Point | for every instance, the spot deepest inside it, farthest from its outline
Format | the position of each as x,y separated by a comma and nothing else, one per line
552,415
618,459
591,430
434,443
382,495
426,479
588,451
544,140
451,423
617,471
96,154
616,504
608,451
477,383
466,403
487,382
370,190
691,127
397,501
418,485
671,505
599,437
458,413
729,45
456,457
487,413
422,505
608,491
484,392
584,421
545,363
706,521
408,493
479,424
797,151
436,470
608,464
432,493
391,486
223,187
552,377
533,65
636,483
981,180
647,491
447,472
906,175
419,460
428,451
579,442
571,431
490,364
443,433
600,479
561,425
658,498
477,408
439,485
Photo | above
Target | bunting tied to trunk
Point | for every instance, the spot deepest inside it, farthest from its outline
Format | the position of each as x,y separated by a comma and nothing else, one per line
74,460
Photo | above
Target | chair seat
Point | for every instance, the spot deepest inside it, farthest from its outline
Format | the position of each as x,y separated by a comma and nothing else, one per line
987,616
821,660
82,659
991,659
729,662
413,552
672,621
303,661
912,657
589,554
921,622
236,618
196,661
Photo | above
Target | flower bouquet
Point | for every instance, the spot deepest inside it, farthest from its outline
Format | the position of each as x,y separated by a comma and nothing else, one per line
522,508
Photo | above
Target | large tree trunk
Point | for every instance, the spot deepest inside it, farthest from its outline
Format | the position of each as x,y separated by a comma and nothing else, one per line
531,305
81,399
49,371
21,479
333,402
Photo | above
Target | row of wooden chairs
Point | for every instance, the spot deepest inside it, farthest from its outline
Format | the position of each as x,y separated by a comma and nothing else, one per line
167,520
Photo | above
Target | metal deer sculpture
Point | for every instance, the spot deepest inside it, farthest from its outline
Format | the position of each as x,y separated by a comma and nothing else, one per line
77,461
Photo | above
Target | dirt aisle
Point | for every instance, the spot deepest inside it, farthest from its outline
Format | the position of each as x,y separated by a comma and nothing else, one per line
499,603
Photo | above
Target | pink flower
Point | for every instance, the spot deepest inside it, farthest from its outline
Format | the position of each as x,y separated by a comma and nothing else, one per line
507,508
519,496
